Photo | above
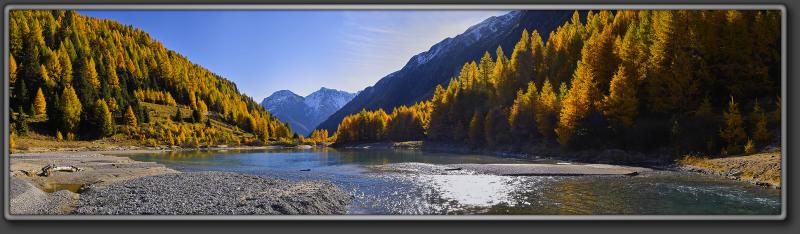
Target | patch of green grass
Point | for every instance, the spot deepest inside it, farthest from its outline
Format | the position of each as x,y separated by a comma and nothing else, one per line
165,113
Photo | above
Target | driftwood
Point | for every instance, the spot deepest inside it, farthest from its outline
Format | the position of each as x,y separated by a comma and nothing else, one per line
49,169
453,169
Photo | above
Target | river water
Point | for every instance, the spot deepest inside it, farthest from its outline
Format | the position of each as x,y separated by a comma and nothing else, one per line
380,191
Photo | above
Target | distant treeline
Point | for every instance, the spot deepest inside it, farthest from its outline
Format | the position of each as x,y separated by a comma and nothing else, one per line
692,81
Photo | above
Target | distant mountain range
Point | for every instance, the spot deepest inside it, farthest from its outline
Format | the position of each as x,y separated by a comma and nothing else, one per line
304,113
417,80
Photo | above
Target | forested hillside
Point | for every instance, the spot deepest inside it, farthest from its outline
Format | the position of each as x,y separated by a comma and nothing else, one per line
417,80
689,81
89,78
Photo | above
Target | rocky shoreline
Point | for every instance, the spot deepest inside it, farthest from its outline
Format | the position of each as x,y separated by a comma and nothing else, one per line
119,185
762,169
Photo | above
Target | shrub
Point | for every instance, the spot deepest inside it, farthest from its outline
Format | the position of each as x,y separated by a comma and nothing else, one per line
749,147
151,142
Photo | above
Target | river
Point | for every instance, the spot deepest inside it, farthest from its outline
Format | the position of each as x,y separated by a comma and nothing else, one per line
379,191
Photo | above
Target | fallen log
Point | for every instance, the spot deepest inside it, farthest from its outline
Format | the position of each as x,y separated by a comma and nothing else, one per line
49,169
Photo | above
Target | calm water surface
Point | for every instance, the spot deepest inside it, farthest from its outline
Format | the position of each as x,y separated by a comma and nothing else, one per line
406,192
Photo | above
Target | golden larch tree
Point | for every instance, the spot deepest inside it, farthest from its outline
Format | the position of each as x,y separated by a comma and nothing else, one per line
733,128
113,79
620,105
39,103
71,109
547,111
475,133
12,70
130,118
102,119
576,104
89,73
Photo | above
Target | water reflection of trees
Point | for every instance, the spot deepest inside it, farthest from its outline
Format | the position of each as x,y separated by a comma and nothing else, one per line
585,195
572,197
330,156
386,156
183,155
592,195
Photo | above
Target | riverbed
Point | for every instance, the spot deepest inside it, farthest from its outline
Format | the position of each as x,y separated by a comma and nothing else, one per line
415,182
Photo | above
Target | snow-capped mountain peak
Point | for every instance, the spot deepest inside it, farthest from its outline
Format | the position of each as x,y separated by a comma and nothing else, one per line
280,98
474,33
305,113
491,25
328,98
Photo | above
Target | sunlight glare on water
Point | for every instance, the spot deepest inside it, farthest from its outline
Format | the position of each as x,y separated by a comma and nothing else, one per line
473,190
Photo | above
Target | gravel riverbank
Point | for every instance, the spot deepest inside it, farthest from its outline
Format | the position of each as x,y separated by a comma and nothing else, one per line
119,185
213,193
27,199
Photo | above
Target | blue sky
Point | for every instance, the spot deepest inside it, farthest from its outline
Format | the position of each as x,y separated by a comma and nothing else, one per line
266,51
